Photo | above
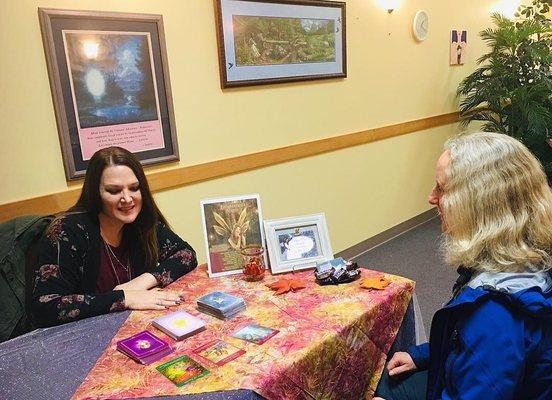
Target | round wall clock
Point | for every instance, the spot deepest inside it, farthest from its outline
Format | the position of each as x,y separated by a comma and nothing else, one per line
420,25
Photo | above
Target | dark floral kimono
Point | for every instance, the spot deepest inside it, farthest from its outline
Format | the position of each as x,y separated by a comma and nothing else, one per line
69,261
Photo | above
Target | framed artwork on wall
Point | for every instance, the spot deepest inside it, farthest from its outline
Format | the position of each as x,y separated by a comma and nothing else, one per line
274,41
297,243
230,224
110,85
458,46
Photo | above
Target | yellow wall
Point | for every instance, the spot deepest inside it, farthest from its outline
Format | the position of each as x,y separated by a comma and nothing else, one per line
363,190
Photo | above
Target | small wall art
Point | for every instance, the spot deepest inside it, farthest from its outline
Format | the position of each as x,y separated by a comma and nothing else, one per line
458,46
273,41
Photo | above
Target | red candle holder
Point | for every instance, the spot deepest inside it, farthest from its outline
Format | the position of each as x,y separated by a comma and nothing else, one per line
253,262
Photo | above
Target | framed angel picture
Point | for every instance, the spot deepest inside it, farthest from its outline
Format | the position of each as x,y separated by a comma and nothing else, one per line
110,85
230,224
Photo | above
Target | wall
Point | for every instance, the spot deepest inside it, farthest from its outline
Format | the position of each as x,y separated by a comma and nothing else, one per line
363,190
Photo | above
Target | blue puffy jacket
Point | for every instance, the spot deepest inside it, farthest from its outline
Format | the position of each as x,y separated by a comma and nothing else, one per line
492,341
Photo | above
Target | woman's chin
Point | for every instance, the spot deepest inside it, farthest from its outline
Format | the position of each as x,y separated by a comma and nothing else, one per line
127,218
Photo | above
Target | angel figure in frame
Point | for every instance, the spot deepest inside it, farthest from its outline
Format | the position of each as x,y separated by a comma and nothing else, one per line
235,232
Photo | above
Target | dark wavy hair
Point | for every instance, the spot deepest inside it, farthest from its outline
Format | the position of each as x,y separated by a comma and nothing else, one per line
90,200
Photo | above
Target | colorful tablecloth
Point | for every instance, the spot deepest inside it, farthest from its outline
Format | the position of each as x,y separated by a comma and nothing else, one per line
332,342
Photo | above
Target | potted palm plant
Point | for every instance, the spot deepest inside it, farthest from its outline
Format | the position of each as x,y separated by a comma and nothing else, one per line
511,90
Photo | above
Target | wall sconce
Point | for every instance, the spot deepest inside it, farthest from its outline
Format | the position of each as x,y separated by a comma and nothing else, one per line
506,7
391,5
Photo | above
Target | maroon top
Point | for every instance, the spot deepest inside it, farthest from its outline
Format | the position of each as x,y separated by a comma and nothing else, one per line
106,277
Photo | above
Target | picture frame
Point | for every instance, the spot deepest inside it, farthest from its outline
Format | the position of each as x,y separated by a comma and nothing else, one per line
297,243
458,46
274,41
110,85
229,224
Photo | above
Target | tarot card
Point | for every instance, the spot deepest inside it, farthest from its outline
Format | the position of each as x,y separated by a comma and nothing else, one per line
219,352
182,370
255,333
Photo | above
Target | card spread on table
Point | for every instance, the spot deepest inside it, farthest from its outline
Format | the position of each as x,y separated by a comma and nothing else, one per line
179,324
144,347
142,344
182,370
219,352
220,301
255,333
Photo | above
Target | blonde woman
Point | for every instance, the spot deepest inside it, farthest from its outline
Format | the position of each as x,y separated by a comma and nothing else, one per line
493,339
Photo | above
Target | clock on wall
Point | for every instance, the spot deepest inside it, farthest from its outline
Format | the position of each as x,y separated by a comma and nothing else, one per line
420,25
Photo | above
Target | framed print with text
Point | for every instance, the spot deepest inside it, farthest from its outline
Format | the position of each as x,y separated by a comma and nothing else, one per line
273,41
230,224
297,243
110,85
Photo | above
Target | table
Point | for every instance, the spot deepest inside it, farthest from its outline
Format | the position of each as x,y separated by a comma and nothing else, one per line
52,362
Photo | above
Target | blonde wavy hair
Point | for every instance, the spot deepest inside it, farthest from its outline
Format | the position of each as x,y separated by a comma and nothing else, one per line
497,205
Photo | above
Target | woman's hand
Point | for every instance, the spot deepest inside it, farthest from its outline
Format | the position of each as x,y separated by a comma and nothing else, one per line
155,299
400,362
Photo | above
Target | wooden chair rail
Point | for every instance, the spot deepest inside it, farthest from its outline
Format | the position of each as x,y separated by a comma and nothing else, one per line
162,180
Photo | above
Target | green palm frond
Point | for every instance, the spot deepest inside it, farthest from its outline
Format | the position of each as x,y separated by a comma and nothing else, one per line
510,91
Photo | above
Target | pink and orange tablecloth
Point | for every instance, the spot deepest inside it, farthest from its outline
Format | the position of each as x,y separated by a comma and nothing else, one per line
332,343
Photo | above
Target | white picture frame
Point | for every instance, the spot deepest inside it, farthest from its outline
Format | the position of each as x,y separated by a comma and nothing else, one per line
297,243
229,223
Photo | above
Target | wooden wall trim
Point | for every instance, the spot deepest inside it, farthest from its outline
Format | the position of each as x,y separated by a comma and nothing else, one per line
162,180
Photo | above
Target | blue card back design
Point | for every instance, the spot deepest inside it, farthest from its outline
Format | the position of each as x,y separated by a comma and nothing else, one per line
220,300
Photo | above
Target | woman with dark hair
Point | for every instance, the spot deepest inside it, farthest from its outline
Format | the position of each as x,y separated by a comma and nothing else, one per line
493,339
111,250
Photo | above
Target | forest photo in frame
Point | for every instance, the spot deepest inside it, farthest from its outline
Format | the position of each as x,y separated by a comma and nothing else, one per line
110,85
274,41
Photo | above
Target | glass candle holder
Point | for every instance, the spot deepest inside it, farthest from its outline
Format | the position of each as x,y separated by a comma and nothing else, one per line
253,262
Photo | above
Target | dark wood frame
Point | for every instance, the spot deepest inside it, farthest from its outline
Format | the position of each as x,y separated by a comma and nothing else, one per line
65,120
263,81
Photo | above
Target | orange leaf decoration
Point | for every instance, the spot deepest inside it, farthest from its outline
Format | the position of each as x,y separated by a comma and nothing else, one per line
285,285
374,283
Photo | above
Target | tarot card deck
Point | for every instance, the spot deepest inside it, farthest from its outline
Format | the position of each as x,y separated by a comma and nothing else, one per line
182,370
179,324
221,305
144,347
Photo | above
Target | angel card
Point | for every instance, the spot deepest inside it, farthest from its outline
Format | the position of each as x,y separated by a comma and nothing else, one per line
182,370
255,333
219,352
229,224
